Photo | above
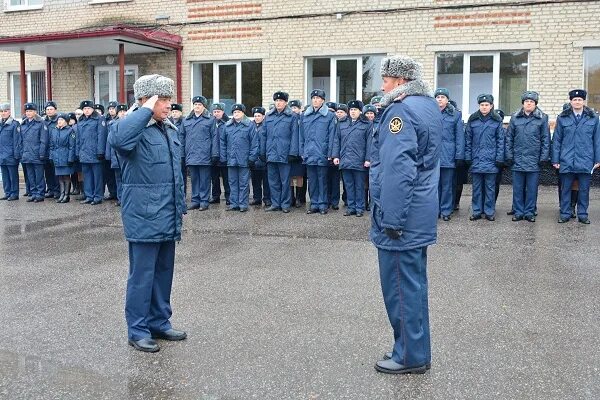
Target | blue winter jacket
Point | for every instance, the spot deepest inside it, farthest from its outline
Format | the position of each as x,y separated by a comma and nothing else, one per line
201,141
576,146
528,140
453,137
352,142
262,144
405,171
110,153
282,130
180,134
35,141
317,132
152,202
62,146
50,124
11,142
484,142
239,143
91,138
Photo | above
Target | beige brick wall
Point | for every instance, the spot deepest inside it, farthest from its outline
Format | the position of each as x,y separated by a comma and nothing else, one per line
219,30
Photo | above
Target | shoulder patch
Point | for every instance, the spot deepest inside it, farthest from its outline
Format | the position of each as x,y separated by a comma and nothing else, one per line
396,125
18,129
103,123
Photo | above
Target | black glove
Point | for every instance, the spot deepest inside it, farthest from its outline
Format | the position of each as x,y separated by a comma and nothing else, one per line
100,156
214,160
263,158
509,162
543,163
292,159
468,162
392,233
460,163
251,164
499,164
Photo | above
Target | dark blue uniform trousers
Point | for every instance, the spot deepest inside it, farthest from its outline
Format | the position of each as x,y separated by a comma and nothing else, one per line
317,186
445,191
147,303
260,186
525,192
239,179
93,182
184,174
333,186
583,198
355,189
200,184
484,186
26,178
403,277
216,172
109,179
51,181
35,175
279,184
117,173
10,180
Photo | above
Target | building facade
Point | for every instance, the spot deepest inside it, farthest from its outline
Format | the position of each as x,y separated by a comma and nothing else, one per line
244,50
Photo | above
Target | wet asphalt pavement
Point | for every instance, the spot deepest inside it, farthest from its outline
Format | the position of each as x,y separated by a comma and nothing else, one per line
289,307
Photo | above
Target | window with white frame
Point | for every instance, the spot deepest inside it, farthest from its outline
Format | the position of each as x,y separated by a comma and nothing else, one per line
229,82
16,5
36,91
467,75
591,69
344,78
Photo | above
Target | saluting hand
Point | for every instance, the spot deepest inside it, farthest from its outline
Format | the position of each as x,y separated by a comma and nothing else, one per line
151,102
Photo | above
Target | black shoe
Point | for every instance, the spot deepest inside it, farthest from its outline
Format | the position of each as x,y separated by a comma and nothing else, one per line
232,209
255,203
563,220
25,194
267,204
446,218
348,213
95,203
193,206
147,345
203,208
517,218
30,200
12,198
322,212
171,335
285,210
391,367
66,199
214,200
272,208
584,221
511,212
49,195
535,213
359,214
110,197
388,356
57,196
490,217
4,198
227,203
529,218
335,207
38,200
475,217
312,211
243,209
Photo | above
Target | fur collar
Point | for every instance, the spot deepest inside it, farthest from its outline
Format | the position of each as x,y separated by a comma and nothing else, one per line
48,119
537,113
93,115
323,110
493,115
36,118
586,111
204,114
9,120
287,111
410,88
450,110
245,121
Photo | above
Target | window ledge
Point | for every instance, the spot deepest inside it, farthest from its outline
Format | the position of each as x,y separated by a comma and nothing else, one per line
10,9
94,2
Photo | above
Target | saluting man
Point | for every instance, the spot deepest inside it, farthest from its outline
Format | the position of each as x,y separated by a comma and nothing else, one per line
404,188
576,153
152,209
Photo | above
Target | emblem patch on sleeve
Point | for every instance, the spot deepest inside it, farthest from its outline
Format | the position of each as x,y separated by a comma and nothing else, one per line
396,125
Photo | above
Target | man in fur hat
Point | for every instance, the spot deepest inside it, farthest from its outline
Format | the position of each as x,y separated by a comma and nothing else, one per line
153,203
404,177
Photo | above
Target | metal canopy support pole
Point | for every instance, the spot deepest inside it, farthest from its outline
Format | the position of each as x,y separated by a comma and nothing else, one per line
49,78
122,89
179,73
23,83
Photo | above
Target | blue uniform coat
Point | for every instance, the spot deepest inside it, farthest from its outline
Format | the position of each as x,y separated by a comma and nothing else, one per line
282,131
576,146
91,138
152,199
528,140
35,141
404,172
484,142
262,144
317,132
239,143
62,146
352,142
11,143
453,137
180,134
110,153
201,140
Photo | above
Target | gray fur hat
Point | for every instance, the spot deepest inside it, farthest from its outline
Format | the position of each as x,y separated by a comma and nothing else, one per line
401,67
153,85
4,107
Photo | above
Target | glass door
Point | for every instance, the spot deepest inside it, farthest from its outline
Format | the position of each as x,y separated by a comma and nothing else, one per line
106,84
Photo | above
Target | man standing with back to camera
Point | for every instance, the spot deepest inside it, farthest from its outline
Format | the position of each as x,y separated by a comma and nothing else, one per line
152,206
404,177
